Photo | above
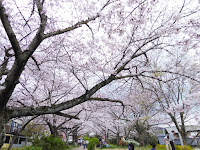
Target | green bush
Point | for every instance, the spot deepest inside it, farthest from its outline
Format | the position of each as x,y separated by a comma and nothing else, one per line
177,147
85,138
103,146
161,147
113,141
49,143
185,147
92,143
33,148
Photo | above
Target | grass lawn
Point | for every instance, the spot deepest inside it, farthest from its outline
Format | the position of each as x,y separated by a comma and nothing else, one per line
113,147
72,147
20,148
116,147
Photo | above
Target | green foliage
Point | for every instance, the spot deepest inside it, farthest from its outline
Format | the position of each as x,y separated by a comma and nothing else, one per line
33,129
94,140
161,147
92,143
85,138
33,148
185,147
103,146
49,143
177,147
91,146
72,146
113,141
113,146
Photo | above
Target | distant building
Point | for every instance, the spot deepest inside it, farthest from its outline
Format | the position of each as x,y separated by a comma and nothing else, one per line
192,131
13,126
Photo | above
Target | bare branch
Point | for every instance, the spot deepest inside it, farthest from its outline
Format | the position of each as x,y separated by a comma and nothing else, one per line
26,22
77,25
35,62
39,37
78,79
106,99
66,115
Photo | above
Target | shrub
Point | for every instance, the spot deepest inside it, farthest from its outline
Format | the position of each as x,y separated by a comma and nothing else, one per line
113,141
49,143
161,147
85,138
177,147
92,143
185,147
33,148
103,146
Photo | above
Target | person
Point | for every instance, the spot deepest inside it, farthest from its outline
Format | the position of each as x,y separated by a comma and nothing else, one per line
79,142
167,142
171,139
131,146
153,146
123,141
100,143
84,144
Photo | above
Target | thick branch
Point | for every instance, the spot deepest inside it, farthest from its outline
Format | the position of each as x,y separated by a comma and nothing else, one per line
30,111
9,31
3,69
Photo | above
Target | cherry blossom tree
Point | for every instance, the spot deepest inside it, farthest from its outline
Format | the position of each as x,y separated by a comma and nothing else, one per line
107,124
58,54
175,99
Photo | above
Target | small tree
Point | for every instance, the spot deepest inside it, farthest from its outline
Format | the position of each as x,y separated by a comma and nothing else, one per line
92,143
49,143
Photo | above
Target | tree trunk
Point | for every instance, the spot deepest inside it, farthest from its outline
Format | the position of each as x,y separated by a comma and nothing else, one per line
118,138
75,138
181,129
184,136
107,137
52,128
67,138
3,120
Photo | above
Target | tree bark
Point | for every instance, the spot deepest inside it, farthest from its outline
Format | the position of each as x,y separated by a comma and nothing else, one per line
75,137
53,129
67,138
4,118
181,129
117,138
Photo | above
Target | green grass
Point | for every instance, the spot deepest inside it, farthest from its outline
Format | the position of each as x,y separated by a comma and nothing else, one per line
117,147
143,148
71,147
19,148
112,146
